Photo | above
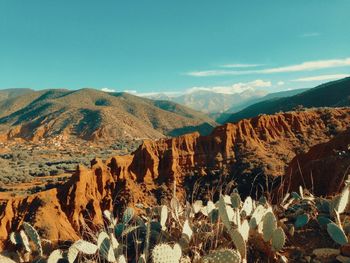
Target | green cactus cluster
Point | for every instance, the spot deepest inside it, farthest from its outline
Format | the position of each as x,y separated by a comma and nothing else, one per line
177,232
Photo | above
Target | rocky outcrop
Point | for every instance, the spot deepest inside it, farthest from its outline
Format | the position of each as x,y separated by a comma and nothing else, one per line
246,152
63,213
323,169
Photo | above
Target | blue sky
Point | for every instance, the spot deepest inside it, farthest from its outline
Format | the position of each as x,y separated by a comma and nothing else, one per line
162,45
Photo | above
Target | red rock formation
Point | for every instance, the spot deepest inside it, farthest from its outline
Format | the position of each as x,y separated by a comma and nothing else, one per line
61,214
246,151
259,146
323,169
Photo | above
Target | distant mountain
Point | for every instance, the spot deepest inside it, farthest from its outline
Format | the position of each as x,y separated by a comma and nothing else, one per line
10,93
95,115
212,102
331,94
222,117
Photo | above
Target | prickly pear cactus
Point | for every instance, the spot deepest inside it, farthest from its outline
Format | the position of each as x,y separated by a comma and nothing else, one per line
197,206
55,256
236,200
82,246
128,215
186,230
222,256
247,208
223,213
239,242
301,220
34,236
337,234
278,239
24,241
323,221
164,253
257,216
269,226
15,238
244,230
105,247
340,202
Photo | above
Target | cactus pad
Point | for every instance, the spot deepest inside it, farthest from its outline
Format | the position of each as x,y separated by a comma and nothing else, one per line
128,215
269,226
236,200
337,234
278,239
34,236
164,253
55,256
222,256
301,220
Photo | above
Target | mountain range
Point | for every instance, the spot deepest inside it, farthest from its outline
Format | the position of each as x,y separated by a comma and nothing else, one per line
93,115
216,103
331,94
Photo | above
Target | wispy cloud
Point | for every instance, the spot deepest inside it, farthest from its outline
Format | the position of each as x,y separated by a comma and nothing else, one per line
240,65
322,77
227,89
310,34
305,66
235,88
108,90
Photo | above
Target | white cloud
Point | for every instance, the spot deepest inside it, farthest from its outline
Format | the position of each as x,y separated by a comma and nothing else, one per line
322,77
108,90
130,91
310,34
280,83
235,88
157,93
240,65
305,66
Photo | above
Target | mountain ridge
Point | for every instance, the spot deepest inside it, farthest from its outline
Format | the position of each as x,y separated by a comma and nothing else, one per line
330,94
91,114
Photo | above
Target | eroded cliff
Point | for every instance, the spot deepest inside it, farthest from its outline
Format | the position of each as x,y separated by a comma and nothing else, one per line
247,152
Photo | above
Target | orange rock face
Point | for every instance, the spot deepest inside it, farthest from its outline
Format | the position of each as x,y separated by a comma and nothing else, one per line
323,169
63,213
247,152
